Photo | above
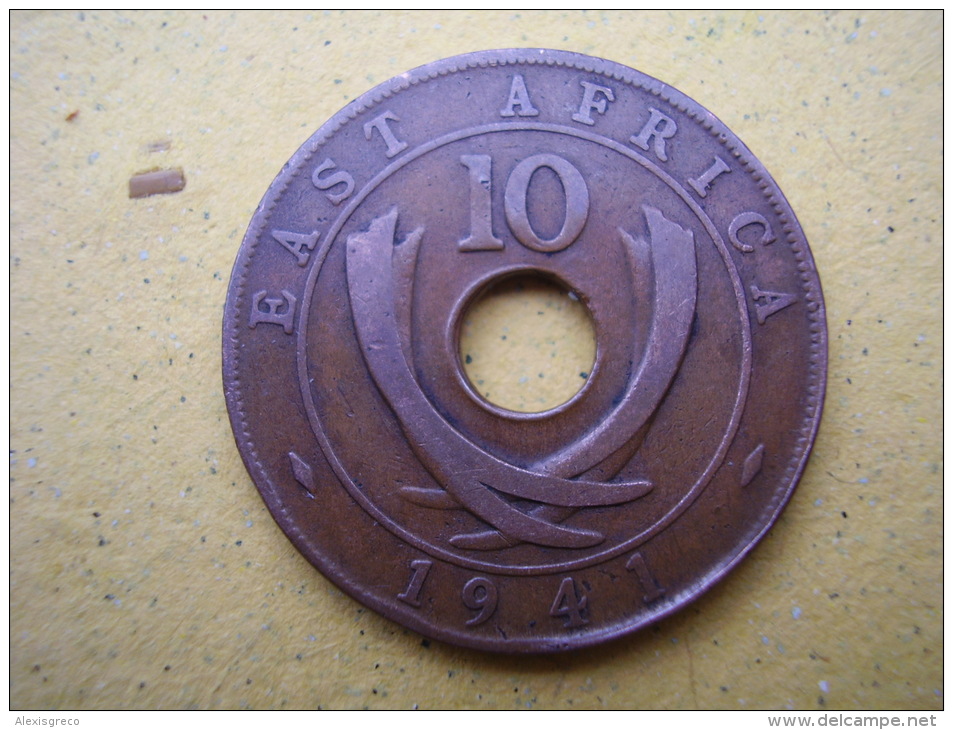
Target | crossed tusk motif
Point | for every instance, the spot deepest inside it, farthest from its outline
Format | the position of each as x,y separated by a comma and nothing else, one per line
476,480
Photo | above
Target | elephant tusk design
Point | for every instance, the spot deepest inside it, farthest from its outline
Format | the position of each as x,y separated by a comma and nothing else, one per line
476,480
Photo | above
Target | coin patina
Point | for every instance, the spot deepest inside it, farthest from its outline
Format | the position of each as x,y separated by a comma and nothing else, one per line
496,529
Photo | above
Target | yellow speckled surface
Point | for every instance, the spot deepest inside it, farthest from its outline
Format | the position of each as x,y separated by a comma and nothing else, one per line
145,569
527,345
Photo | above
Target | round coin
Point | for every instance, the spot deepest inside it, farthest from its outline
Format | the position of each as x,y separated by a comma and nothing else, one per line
463,520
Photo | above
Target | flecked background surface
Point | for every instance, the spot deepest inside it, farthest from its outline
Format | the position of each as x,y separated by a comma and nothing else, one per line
145,570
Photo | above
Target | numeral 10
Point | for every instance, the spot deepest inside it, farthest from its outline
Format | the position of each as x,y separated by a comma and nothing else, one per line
481,237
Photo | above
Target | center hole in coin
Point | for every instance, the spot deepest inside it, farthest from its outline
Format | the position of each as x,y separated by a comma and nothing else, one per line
527,344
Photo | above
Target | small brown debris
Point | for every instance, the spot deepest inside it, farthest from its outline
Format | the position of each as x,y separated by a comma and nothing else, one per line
160,145
71,117
156,182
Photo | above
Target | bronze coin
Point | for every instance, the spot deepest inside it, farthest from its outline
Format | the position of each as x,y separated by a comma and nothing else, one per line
467,522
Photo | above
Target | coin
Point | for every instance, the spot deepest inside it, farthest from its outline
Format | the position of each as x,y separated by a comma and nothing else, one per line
468,522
